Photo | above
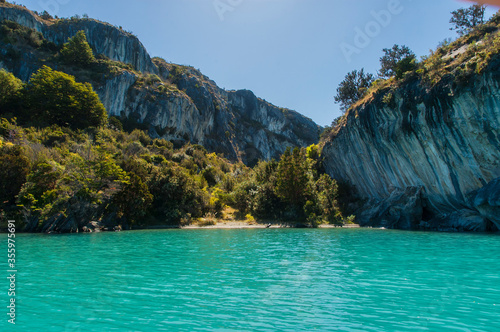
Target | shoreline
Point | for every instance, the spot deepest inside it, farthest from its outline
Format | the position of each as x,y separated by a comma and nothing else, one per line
218,225
246,225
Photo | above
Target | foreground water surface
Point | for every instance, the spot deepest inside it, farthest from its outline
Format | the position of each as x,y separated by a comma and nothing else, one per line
256,280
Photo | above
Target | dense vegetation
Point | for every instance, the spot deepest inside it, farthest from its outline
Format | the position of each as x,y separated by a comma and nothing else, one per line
63,163
56,173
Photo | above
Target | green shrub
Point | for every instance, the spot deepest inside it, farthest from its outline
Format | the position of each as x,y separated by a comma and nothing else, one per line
141,136
115,123
177,194
77,50
407,64
40,186
10,90
54,97
249,217
55,137
15,33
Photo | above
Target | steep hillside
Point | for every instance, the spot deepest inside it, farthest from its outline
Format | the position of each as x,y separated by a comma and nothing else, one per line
417,150
104,38
175,102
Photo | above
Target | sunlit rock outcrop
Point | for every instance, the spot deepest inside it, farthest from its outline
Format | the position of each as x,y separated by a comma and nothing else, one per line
104,38
444,140
175,102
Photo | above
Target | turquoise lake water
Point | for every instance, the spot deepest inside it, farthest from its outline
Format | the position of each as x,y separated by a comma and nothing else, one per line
255,280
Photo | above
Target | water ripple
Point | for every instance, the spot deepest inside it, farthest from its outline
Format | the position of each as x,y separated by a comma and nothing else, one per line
259,280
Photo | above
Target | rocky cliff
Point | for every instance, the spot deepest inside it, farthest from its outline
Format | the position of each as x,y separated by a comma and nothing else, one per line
176,102
419,155
183,105
104,38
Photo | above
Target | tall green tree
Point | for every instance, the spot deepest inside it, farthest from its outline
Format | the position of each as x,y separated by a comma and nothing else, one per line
353,88
14,168
134,200
292,180
327,194
54,97
77,50
465,19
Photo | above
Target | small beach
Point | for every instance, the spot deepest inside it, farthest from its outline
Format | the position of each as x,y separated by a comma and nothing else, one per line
242,224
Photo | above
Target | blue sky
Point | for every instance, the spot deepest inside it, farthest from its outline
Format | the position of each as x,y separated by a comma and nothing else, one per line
293,53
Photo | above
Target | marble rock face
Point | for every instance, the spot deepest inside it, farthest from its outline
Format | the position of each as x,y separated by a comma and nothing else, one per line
445,140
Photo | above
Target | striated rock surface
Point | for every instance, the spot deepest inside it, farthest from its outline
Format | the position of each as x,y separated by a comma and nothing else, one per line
104,38
487,201
176,102
402,209
234,123
445,140
268,128
465,220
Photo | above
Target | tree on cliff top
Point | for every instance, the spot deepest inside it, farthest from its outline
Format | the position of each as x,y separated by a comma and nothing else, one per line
393,59
54,97
77,50
353,88
465,19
